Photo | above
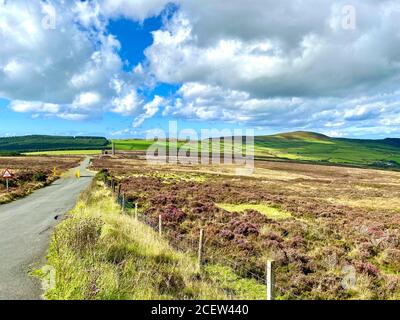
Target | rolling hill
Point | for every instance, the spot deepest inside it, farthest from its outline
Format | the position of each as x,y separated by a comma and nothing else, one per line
36,143
310,146
295,146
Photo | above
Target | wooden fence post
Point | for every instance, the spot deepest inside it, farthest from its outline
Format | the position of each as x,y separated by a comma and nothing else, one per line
119,190
123,203
160,225
270,279
200,253
136,211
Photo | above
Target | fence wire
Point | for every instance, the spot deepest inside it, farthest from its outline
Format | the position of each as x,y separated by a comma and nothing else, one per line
186,246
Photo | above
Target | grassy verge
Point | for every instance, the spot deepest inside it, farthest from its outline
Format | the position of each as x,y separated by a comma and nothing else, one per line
98,253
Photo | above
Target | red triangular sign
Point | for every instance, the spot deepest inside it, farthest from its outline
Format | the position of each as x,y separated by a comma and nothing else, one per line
7,174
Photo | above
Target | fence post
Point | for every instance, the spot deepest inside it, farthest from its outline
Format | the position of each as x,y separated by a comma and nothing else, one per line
270,279
200,253
136,211
123,203
160,225
119,190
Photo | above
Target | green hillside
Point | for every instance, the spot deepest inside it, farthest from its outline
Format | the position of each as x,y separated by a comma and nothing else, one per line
37,143
132,144
298,146
311,146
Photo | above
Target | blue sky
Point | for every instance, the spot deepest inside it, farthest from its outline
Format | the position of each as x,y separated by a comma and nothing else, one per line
124,68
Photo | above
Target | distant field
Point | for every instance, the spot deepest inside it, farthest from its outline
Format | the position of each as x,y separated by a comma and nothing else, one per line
308,146
64,152
132,145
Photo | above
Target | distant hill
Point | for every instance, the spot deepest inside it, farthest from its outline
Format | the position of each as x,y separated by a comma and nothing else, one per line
315,147
35,143
311,147
301,135
298,146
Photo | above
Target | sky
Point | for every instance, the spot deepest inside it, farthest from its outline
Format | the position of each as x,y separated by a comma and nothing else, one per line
124,68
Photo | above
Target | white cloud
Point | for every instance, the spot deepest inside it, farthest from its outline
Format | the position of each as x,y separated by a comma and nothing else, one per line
86,100
197,101
134,9
67,72
150,109
29,106
279,48
283,64
127,104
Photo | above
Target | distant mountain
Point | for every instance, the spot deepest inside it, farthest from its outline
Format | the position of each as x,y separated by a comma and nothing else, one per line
35,143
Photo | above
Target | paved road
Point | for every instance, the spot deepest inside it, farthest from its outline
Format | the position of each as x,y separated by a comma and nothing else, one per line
25,229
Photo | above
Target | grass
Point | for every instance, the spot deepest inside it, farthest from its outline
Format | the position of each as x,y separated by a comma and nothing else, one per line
270,212
98,253
64,153
308,146
305,146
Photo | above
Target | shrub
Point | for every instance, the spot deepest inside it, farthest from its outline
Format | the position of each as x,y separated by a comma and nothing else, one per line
367,268
39,177
172,214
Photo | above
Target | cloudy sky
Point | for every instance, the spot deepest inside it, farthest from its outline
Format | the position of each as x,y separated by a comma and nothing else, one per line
123,67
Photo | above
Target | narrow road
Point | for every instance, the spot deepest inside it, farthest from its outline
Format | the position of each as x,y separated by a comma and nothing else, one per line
25,229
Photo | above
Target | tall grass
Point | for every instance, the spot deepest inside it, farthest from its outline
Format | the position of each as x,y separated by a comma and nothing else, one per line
98,253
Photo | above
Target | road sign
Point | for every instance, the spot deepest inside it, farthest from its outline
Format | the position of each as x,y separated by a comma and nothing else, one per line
8,174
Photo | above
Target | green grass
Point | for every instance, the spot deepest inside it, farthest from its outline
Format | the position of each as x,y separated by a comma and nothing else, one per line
132,144
98,253
248,289
64,152
307,146
270,212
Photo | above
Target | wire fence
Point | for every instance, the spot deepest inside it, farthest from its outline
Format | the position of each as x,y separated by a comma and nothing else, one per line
193,246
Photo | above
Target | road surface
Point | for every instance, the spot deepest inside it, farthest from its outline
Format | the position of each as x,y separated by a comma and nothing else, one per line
25,229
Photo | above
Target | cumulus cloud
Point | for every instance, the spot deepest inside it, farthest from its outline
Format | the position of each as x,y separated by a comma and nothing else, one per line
280,64
64,65
133,9
285,64
270,48
196,101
